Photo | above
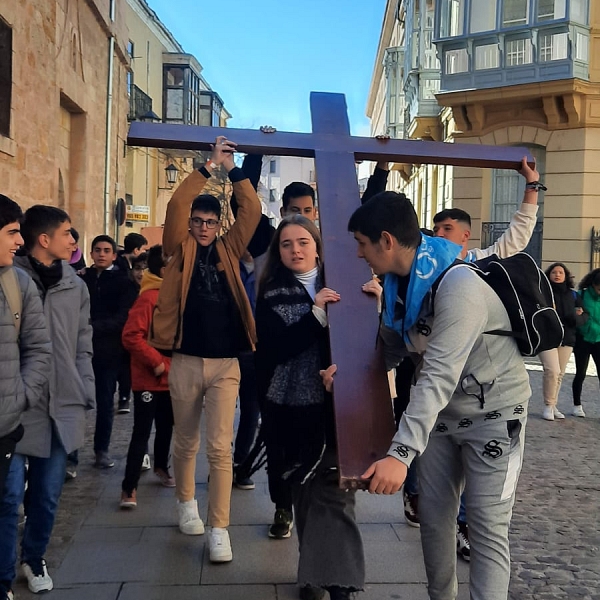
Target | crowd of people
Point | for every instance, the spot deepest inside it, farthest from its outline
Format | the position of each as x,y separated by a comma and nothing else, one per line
210,317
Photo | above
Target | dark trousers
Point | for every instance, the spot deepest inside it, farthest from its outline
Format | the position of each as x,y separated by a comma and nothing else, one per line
582,351
106,372
124,378
7,449
249,408
148,407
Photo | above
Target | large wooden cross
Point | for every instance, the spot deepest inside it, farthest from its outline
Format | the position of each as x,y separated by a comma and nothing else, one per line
363,410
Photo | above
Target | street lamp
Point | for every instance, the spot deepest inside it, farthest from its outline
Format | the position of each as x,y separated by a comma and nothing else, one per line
172,172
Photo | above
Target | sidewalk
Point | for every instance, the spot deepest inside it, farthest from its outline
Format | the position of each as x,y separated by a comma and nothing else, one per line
99,552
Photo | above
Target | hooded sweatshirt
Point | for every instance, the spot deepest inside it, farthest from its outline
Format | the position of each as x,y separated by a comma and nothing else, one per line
145,358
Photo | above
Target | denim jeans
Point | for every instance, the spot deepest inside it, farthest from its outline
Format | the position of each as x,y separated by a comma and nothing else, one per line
45,478
249,409
106,372
148,407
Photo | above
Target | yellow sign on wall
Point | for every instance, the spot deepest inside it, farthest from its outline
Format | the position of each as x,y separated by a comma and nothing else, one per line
138,212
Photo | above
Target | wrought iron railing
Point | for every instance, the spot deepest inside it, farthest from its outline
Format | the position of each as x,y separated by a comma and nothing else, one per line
492,231
595,249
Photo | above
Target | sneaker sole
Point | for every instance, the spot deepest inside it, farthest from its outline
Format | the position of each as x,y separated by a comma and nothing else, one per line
222,559
128,505
281,537
123,411
194,530
412,523
244,487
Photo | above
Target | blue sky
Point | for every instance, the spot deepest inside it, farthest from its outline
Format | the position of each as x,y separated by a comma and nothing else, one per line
264,57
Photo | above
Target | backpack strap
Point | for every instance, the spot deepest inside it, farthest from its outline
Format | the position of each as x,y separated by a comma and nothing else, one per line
12,292
436,283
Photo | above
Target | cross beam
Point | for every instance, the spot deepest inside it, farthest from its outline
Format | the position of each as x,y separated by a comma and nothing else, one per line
363,410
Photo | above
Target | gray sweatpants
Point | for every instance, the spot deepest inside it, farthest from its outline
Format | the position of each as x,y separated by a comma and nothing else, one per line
486,461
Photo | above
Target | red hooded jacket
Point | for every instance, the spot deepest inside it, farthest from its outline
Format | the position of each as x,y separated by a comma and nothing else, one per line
145,358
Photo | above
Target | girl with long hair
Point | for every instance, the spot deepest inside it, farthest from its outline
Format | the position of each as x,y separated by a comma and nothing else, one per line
555,360
298,423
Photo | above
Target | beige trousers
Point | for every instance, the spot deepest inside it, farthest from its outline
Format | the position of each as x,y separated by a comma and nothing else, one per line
214,381
554,362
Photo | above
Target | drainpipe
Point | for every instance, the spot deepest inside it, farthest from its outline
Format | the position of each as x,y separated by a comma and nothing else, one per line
107,150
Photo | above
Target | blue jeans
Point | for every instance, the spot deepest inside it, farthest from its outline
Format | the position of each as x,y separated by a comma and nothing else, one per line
106,372
45,478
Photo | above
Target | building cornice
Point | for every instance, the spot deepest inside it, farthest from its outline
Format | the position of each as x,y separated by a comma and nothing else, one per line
158,28
563,104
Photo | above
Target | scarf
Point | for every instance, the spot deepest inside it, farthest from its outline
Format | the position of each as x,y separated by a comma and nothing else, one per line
49,275
433,256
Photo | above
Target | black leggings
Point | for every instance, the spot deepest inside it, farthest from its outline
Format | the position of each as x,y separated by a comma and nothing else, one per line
148,407
582,351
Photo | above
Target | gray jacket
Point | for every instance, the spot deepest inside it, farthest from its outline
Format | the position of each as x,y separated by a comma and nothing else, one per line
26,361
70,390
468,377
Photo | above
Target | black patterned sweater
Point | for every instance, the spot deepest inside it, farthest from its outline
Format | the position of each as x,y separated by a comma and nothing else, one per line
292,347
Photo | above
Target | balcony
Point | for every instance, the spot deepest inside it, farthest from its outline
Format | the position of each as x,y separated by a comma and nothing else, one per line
492,231
139,103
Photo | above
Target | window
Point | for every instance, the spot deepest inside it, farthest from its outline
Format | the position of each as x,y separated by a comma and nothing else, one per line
272,166
579,11
452,17
5,77
518,52
552,46
582,47
457,61
130,50
429,88
515,12
272,195
487,56
550,10
483,16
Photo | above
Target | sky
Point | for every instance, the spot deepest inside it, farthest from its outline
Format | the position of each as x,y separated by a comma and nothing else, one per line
264,57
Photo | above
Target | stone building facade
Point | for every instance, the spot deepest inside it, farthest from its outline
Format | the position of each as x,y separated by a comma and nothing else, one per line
63,105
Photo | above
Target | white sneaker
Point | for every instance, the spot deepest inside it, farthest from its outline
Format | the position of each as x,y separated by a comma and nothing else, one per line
38,581
219,545
558,414
146,464
578,411
548,413
190,522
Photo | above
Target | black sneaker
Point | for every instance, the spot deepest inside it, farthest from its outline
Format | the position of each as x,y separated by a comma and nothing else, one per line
411,509
123,406
463,547
283,523
243,483
103,461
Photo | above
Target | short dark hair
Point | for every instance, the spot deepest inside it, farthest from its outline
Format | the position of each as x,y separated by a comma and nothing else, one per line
296,189
206,203
155,260
139,259
104,238
387,211
456,214
10,211
592,278
133,241
75,234
41,219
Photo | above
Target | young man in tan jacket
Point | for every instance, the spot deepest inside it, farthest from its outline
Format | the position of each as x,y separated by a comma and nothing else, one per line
204,318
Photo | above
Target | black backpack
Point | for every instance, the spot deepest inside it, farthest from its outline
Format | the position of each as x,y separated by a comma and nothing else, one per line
527,296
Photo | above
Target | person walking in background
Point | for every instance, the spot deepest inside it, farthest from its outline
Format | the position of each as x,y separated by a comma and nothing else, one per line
112,293
555,360
76,261
587,341
149,377
298,421
57,426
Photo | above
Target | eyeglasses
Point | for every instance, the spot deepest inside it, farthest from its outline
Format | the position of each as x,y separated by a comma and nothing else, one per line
198,222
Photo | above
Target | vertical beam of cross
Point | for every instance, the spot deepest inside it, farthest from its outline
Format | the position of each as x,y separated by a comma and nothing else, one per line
363,409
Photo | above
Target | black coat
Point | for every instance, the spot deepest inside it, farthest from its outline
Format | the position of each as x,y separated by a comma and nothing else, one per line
112,294
564,300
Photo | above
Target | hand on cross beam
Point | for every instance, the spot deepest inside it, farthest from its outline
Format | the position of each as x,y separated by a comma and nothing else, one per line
222,153
387,476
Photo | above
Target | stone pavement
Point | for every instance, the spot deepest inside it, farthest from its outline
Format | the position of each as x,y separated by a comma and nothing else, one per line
99,552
